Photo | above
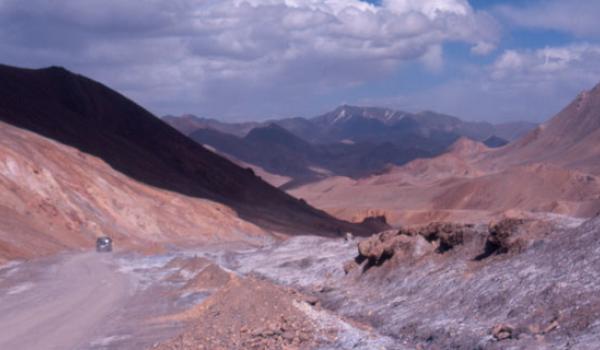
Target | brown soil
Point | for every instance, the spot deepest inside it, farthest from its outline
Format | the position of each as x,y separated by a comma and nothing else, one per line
192,264
211,277
245,313
56,198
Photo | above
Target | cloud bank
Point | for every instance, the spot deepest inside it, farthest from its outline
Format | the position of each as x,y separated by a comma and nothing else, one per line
525,84
238,57
577,17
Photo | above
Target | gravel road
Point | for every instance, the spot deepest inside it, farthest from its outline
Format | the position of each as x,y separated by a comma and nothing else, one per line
64,306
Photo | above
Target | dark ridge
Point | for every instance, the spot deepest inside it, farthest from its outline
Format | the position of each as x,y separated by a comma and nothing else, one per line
89,116
495,142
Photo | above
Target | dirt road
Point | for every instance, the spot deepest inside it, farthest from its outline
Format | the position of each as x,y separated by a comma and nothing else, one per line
64,306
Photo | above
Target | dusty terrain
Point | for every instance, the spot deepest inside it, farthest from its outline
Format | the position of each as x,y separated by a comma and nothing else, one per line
539,295
64,306
78,161
56,198
529,282
180,300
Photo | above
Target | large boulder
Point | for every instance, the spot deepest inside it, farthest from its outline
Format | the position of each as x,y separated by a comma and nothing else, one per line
383,246
410,243
503,234
447,235
379,246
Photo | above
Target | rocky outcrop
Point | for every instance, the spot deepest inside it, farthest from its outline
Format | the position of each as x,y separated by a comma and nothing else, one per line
507,235
412,242
448,235
503,235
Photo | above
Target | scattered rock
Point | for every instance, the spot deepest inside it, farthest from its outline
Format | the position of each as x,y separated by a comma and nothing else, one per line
348,237
350,266
552,326
423,247
502,234
247,314
311,300
502,331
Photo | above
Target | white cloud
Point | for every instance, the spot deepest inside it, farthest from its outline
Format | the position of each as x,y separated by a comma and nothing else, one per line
483,48
197,54
549,62
578,17
430,8
433,58
519,85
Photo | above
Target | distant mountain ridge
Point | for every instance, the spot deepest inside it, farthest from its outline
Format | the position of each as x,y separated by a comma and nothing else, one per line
554,168
278,151
349,141
346,114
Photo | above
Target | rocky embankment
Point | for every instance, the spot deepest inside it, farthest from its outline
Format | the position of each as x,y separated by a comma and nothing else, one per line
520,283
524,282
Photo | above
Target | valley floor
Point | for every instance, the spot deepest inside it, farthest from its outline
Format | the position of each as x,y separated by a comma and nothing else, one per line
300,294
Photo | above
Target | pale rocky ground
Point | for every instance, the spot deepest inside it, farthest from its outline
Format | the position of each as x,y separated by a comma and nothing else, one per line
546,293
302,293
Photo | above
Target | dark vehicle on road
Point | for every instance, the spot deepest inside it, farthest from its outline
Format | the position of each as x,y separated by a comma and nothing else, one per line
104,244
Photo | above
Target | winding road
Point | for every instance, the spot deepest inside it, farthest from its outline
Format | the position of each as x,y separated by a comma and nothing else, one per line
62,309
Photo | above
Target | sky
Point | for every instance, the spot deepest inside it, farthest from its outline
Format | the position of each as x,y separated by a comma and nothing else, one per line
235,60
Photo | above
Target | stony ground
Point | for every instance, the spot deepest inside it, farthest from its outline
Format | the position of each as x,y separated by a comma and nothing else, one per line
542,295
522,283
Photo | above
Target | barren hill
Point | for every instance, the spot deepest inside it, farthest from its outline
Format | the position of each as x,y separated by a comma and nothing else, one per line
552,169
570,139
86,115
55,197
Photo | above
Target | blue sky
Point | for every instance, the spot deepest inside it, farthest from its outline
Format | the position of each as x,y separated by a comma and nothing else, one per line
255,59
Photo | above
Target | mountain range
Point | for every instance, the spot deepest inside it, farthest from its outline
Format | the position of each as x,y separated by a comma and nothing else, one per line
349,141
552,169
487,246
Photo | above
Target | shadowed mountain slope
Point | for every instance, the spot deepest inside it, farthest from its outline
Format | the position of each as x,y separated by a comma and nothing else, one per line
348,141
271,147
188,123
85,114
278,151
495,142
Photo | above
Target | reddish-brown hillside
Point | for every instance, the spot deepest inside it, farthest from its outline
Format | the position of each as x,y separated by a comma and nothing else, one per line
55,197
553,169
570,139
87,115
